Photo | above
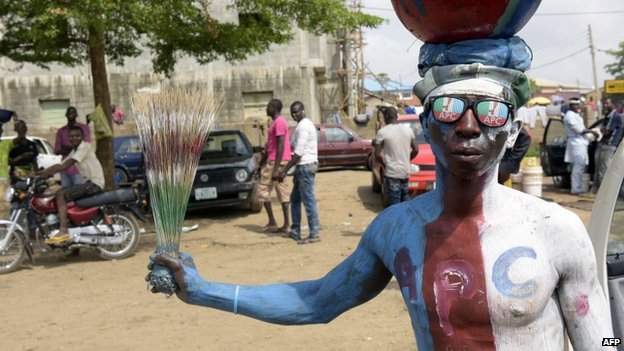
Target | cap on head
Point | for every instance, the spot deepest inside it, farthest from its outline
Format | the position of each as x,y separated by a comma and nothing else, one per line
507,84
574,101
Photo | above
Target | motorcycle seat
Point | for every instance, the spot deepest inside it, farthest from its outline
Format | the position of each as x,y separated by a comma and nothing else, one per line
117,196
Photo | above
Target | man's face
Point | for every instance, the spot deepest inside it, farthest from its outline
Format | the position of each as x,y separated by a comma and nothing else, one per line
608,105
71,114
297,113
75,137
574,107
270,110
466,148
20,128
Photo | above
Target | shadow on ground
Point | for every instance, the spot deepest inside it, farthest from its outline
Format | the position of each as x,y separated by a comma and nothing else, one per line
370,200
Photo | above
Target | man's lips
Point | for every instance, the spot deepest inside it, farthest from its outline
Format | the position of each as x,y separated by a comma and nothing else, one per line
466,152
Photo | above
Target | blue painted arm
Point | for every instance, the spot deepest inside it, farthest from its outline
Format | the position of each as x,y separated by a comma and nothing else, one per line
356,280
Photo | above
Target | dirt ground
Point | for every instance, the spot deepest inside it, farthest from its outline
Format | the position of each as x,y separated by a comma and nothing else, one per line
90,304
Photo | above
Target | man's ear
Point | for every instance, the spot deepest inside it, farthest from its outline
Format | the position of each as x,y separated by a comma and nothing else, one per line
516,125
424,123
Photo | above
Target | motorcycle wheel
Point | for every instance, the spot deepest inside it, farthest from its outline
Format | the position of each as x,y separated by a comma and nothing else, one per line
129,245
13,254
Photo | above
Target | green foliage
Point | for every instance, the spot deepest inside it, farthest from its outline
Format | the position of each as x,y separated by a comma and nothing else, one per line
617,68
75,32
534,88
534,151
43,31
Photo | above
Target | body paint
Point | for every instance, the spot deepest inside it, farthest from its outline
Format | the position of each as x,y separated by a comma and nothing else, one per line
405,273
452,278
454,284
500,274
581,305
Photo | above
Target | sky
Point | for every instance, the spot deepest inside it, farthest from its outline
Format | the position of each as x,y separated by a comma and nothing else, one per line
559,41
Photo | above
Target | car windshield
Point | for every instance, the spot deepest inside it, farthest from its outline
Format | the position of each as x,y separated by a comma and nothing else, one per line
225,144
127,145
556,134
417,129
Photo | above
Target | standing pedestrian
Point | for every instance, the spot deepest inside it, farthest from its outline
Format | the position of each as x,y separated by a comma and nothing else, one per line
576,147
602,147
399,146
305,157
62,146
592,107
23,155
611,136
513,156
5,148
276,156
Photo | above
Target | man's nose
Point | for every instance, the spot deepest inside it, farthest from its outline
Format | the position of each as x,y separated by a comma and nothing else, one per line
468,125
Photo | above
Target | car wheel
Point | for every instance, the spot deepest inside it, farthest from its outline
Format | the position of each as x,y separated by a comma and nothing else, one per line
120,176
256,206
562,181
376,187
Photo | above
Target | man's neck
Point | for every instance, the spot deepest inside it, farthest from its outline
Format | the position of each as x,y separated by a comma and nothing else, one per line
464,196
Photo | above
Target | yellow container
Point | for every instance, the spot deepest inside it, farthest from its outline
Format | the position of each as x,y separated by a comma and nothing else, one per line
531,161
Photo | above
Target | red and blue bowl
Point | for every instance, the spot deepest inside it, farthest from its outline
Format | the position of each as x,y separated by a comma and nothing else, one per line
449,21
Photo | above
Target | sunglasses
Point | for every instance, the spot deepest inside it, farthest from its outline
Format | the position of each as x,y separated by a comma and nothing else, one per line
489,112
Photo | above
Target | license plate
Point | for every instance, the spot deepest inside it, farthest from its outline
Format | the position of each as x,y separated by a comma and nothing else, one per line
205,193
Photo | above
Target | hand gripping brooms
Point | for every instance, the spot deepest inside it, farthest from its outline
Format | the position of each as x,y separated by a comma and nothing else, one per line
173,125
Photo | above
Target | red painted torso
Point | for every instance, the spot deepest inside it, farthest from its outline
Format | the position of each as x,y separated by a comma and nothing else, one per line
455,286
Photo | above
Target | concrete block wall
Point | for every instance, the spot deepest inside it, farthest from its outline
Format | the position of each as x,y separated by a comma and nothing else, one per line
289,72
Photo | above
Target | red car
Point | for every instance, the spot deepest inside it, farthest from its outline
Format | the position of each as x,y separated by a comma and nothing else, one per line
422,177
339,146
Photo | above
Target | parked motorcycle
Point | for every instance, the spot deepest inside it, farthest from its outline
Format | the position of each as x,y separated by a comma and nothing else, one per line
104,222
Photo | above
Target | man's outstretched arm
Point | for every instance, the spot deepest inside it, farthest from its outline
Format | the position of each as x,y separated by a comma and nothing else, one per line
356,280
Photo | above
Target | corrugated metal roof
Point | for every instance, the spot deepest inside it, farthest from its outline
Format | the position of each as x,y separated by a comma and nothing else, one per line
374,85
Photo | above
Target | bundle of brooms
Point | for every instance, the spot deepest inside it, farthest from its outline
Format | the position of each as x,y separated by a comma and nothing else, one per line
173,124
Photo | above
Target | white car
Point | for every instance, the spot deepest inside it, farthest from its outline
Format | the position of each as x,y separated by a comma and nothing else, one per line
46,157
606,229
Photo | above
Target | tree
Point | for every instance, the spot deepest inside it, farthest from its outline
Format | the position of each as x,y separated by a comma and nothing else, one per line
535,89
77,32
616,69
383,79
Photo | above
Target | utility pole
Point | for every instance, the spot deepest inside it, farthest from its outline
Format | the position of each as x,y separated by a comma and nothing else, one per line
351,71
593,56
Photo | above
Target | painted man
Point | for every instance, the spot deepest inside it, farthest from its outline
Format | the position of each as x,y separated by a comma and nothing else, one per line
481,266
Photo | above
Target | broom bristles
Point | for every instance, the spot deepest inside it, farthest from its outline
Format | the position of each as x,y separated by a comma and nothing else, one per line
173,125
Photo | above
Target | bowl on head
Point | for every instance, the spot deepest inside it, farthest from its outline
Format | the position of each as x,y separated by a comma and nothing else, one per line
446,21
